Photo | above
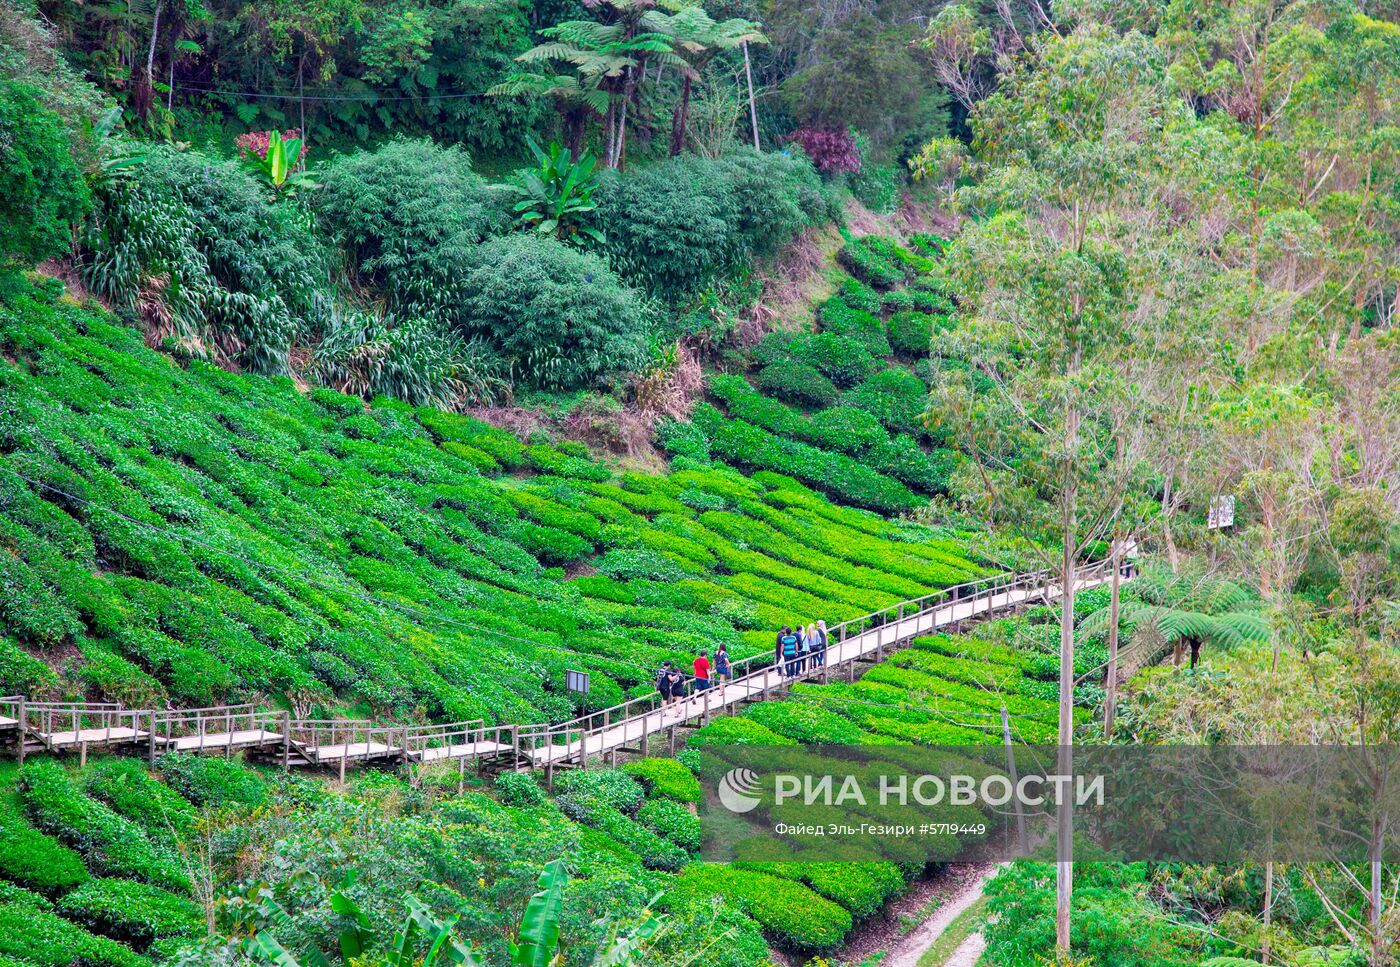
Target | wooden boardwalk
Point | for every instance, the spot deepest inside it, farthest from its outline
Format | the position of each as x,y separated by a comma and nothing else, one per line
626,727
36,727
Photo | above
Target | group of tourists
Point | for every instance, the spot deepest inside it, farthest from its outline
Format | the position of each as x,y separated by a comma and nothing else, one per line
799,649
673,686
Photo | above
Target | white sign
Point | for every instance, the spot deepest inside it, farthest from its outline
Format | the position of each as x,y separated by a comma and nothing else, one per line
1222,512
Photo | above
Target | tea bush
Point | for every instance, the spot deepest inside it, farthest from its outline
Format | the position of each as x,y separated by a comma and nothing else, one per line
792,915
110,843
132,912
665,777
37,938
36,861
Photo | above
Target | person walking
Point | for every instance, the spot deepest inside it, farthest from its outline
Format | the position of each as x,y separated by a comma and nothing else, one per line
722,664
663,686
804,649
787,651
819,653
702,672
676,681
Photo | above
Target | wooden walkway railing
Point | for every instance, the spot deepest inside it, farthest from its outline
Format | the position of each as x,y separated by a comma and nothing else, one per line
54,727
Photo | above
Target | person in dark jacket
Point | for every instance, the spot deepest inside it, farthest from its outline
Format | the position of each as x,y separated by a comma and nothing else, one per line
788,652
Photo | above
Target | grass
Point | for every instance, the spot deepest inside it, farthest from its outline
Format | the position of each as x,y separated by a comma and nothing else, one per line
953,936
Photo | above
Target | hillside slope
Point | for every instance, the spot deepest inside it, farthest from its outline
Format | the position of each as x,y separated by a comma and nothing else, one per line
179,534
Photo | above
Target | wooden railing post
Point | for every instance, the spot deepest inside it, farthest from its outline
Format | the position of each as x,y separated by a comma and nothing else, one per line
286,740
23,727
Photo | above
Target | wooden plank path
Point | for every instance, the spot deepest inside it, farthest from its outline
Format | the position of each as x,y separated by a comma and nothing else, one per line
36,727
626,727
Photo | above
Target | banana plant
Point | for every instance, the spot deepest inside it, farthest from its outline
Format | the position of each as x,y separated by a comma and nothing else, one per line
278,164
536,944
557,196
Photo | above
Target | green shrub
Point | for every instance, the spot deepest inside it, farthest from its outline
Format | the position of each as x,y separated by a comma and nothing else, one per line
798,382
671,227
238,265
42,192
735,730
838,317
614,789
792,915
559,313
36,861
40,939
670,819
877,186
23,674
409,216
911,333
776,195
870,264
806,722
639,566
895,397
126,786
519,789
132,912
655,852
207,781
842,359
665,777
110,843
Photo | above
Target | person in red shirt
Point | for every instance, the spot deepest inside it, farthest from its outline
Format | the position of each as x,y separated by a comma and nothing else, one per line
702,672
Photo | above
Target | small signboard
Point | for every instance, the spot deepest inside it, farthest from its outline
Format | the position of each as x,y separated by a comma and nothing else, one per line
1222,512
576,681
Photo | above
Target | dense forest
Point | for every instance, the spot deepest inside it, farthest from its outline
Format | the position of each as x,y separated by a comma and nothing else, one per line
390,369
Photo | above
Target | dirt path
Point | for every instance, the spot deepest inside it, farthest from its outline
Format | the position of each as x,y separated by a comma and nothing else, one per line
906,953
968,953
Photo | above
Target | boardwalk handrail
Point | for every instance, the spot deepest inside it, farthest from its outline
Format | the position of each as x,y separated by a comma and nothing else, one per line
581,728
341,740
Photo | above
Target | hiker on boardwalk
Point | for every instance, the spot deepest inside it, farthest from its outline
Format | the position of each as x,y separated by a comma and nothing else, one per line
787,652
722,664
819,649
663,684
804,649
702,672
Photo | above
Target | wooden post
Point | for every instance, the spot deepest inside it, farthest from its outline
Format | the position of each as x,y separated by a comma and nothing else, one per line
461,776
344,754
23,714
1015,781
151,742
82,755
286,741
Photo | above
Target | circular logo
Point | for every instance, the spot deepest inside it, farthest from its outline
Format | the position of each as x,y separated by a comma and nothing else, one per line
738,790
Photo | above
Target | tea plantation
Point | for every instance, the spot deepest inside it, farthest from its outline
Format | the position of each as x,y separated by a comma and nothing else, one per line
180,534
841,408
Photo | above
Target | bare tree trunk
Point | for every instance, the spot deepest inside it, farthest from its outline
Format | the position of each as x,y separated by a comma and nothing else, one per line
143,82
1173,556
753,112
1374,902
1110,699
1064,834
1268,909
612,131
681,118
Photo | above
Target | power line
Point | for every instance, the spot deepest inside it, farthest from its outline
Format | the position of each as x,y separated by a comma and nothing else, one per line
370,98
